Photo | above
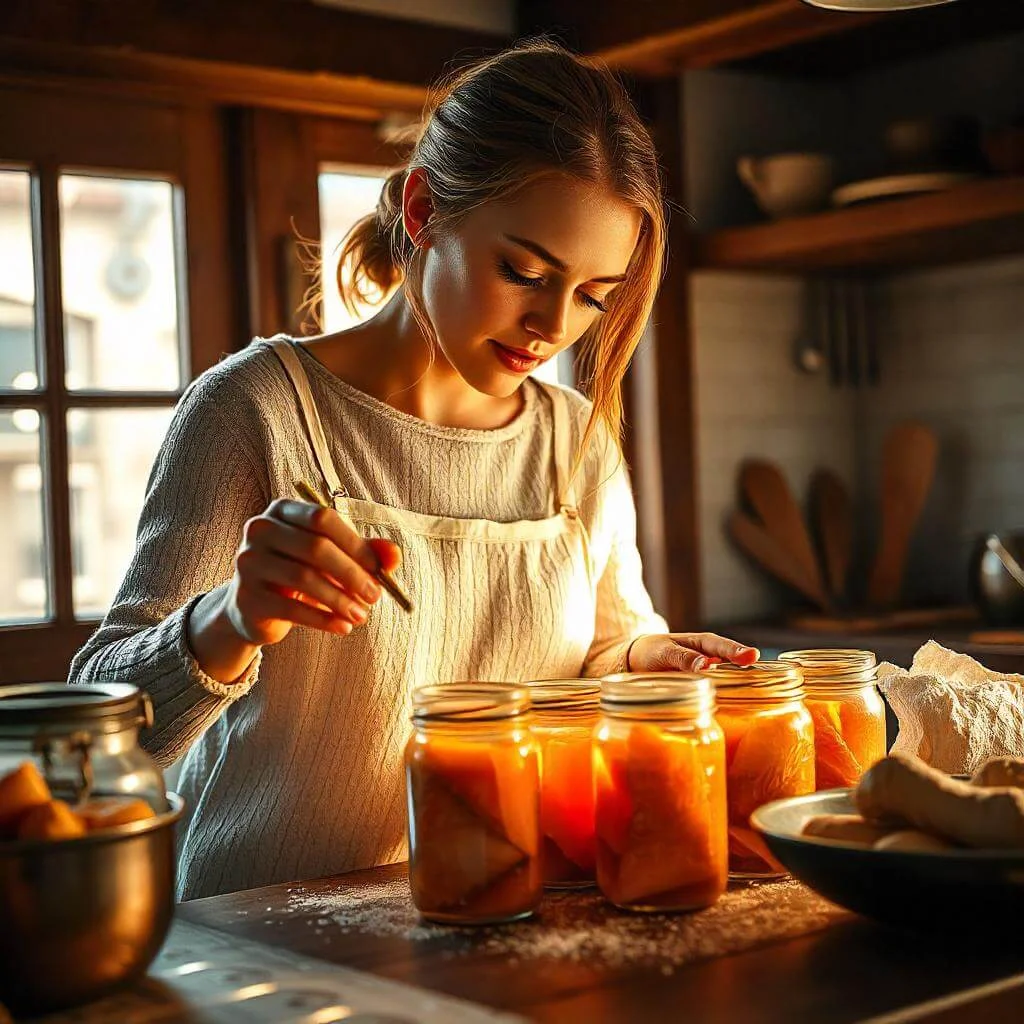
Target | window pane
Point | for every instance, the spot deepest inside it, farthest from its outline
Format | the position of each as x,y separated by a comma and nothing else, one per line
119,284
23,577
344,198
18,367
112,452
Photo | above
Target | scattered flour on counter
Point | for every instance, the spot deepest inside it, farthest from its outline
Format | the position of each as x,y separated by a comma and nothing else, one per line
581,926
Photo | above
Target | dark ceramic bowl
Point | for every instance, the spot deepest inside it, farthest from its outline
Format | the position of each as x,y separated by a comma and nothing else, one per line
966,891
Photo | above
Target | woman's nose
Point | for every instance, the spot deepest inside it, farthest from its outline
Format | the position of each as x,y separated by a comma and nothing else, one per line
550,320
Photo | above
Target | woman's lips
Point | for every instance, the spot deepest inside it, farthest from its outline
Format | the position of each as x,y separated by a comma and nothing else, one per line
515,359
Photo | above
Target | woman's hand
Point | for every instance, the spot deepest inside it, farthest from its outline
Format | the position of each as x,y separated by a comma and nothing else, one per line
685,652
298,564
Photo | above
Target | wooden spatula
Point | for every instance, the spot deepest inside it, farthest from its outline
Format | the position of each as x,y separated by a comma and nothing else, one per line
763,547
832,514
769,494
908,467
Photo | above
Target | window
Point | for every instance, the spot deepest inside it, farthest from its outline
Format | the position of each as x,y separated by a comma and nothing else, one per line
97,343
346,195
120,340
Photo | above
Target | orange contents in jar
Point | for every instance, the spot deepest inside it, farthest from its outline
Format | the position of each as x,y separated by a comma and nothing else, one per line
473,812
660,807
567,811
848,713
564,716
769,753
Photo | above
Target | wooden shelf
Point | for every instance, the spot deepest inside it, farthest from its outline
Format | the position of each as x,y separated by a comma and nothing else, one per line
971,221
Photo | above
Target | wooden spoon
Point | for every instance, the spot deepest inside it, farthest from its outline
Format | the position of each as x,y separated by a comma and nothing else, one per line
908,468
767,491
764,548
832,513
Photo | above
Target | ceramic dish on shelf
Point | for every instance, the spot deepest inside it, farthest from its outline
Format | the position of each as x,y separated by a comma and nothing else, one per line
894,185
979,891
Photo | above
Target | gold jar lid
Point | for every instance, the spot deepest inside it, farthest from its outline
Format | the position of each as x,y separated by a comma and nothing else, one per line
469,702
830,668
551,697
769,682
647,695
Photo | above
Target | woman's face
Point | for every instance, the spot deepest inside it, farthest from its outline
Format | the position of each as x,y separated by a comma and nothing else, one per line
517,282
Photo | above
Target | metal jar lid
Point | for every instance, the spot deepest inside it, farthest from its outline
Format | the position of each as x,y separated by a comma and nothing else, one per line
27,709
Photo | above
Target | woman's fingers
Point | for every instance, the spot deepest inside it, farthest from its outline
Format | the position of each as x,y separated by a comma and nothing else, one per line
304,583
686,652
389,554
718,647
327,522
317,538
262,605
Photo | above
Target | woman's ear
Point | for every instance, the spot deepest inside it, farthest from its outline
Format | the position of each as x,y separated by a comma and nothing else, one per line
417,206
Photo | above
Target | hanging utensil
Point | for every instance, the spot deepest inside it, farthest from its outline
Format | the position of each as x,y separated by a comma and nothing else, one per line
872,370
854,332
808,351
836,334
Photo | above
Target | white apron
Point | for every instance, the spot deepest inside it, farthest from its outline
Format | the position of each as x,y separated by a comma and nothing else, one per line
492,601
320,747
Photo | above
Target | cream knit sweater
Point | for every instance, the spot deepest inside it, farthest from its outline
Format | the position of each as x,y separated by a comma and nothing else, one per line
295,771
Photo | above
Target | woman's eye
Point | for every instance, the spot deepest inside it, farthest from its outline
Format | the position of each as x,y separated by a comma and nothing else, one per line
510,273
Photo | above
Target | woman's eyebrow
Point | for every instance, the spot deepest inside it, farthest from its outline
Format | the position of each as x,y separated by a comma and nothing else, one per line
554,261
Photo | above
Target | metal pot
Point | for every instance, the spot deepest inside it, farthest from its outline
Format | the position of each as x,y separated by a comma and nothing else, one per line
997,578
82,917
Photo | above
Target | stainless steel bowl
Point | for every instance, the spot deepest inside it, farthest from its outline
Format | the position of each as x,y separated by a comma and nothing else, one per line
995,569
81,917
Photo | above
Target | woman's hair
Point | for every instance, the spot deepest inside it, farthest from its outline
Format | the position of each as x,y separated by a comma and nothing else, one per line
490,130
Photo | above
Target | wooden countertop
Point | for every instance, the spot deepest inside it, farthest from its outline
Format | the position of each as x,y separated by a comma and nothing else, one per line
896,647
852,970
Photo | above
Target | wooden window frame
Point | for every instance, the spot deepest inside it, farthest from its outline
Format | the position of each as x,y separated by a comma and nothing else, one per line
50,130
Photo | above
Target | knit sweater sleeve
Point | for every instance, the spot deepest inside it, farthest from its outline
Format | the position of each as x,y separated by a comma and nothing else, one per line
624,608
206,482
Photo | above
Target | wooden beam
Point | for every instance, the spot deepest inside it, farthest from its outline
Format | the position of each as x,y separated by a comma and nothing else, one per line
107,72
661,37
293,35
281,51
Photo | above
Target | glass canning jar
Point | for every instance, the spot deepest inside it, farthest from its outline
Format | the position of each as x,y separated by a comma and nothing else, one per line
565,712
82,740
849,715
473,783
769,752
659,772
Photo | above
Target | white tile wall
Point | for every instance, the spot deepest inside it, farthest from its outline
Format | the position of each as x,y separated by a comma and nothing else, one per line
952,352
953,356
753,401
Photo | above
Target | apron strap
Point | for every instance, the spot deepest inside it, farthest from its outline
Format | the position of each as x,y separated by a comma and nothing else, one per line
284,349
563,452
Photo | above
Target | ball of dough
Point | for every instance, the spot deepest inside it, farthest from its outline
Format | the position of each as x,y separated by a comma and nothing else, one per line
910,840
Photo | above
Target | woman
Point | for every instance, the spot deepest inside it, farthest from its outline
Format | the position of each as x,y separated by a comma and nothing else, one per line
529,218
